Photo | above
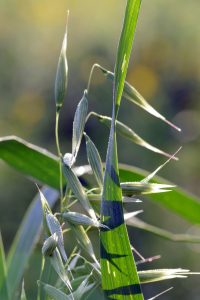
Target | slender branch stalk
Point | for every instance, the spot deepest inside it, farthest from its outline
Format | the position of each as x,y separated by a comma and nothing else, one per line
90,76
60,157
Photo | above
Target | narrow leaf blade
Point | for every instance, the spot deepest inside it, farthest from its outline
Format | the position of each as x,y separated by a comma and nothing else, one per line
119,273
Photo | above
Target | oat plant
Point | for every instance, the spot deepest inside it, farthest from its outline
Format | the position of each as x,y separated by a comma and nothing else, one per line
92,198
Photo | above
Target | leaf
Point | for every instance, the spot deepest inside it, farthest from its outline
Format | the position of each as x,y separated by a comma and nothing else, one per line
79,124
136,222
124,48
3,272
119,274
77,189
61,75
94,160
26,239
43,166
30,160
129,134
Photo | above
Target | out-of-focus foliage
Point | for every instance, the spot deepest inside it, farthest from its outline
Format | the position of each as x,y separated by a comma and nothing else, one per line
165,70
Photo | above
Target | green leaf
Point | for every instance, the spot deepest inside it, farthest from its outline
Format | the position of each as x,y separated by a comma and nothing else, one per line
119,274
43,166
3,272
124,48
30,160
25,240
185,238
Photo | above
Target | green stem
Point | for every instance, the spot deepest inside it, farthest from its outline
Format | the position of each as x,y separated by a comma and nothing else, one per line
40,278
60,158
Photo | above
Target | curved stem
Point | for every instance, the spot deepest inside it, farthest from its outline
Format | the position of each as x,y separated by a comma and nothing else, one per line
90,76
60,157
92,113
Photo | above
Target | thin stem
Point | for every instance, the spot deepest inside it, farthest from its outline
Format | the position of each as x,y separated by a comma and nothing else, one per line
60,157
90,76
40,278
92,113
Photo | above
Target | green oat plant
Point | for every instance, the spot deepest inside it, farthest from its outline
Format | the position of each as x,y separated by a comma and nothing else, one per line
102,190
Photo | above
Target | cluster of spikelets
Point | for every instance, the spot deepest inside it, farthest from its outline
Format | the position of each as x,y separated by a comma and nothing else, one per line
78,276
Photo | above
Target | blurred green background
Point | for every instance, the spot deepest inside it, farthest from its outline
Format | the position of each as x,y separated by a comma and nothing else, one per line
165,68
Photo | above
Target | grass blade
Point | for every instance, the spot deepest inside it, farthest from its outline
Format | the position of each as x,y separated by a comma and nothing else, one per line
25,240
30,160
185,238
124,48
43,166
119,274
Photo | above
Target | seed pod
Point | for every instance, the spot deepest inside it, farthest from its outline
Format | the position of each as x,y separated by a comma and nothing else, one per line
79,124
61,76
94,160
49,245
162,274
59,267
131,94
140,188
77,189
54,227
80,219
129,134
84,241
